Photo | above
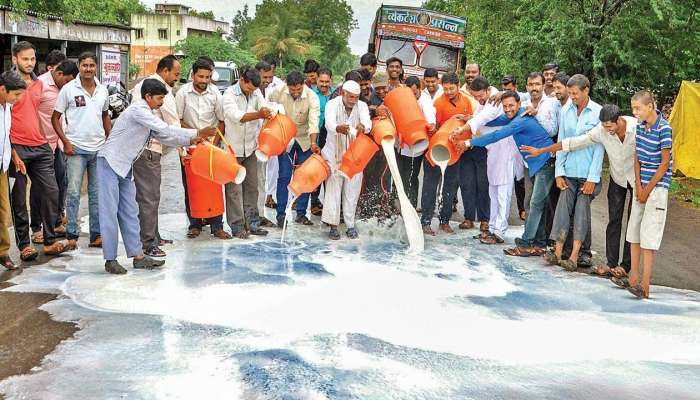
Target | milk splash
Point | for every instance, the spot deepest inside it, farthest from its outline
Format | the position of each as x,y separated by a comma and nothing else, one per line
409,214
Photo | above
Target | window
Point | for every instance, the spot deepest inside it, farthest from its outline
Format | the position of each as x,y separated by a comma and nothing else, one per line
139,33
397,48
177,32
224,74
162,34
440,58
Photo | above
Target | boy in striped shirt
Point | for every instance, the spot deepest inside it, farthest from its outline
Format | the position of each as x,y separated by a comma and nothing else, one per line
653,178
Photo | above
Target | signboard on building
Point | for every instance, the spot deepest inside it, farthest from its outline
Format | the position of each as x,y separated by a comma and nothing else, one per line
88,33
422,24
111,67
25,25
147,57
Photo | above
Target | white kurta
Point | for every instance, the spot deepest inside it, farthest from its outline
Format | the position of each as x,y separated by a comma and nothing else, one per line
339,190
504,161
504,164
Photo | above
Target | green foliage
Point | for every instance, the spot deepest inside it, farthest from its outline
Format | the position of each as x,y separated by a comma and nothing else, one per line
212,46
201,14
240,26
134,70
105,11
294,30
621,45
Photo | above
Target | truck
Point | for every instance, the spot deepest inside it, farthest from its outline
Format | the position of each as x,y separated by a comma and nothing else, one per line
420,38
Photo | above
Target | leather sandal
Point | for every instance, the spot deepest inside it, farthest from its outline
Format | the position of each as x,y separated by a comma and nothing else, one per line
55,249
467,224
38,237
28,254
6,262
193,232
484,226
222,234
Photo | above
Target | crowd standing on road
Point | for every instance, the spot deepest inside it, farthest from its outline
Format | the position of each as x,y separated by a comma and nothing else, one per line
56,128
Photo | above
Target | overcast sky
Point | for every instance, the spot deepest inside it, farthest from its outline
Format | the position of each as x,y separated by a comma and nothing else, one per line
364,13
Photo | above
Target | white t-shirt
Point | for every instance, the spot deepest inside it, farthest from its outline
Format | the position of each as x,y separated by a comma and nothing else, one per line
83,114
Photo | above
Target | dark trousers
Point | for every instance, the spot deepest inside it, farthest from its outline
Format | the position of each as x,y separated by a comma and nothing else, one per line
474,184
215,223
616,209
146,172
59,166
409,168
375,199
431,180
520,194
39,161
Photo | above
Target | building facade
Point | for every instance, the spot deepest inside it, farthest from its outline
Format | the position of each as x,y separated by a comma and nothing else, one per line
155,35
110,43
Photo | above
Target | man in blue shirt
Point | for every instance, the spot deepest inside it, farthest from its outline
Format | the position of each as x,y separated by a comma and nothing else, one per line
525,130
118,210
577,173
324,91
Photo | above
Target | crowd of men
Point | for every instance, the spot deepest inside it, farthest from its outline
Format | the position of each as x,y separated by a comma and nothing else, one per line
56,128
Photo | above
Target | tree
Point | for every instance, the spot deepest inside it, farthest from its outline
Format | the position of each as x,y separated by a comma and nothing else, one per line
621,45
105,11
319,29
239,27
214,47
280,38
201,14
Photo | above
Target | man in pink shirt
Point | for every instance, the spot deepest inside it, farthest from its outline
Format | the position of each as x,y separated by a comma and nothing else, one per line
60,71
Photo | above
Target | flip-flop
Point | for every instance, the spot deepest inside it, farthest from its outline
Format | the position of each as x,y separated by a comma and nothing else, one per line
618,275
28,254
518,252
638,292
568,265
622,283
551,258
601,270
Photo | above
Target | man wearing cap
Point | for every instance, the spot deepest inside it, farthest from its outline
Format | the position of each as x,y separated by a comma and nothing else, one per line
346,117
374,199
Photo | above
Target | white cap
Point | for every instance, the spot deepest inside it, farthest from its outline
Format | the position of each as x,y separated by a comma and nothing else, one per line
351,87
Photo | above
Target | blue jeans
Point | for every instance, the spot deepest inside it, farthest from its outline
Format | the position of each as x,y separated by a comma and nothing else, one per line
76,165
534,233
118,211
287,162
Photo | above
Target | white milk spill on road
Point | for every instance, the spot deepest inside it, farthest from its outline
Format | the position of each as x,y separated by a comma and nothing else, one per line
361,319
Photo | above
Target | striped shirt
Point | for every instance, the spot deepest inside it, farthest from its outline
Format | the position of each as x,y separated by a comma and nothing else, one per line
650,142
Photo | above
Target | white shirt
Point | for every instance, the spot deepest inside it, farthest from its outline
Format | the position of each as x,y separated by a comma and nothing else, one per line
547,113
504,160
425,102
439,92
620,154
337,143
167,112
242,136
200,110
83,114
5,146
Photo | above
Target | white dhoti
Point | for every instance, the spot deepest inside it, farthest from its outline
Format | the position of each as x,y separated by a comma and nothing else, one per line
500,196
341,191
271,174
